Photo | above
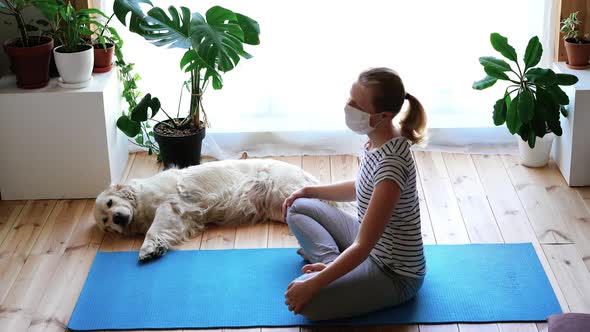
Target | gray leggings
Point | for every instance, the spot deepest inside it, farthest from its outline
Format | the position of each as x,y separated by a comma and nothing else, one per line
324,232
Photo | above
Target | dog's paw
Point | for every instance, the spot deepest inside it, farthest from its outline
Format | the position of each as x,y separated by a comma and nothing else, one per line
151,251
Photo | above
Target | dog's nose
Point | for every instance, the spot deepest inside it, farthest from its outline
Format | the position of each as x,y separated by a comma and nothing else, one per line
119,218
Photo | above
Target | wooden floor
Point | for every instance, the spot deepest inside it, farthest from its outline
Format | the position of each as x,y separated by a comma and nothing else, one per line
47,247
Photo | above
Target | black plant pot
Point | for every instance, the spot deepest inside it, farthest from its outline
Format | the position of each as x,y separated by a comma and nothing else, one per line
180,151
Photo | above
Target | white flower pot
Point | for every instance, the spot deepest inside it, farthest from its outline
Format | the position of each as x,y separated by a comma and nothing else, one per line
539,156
75,69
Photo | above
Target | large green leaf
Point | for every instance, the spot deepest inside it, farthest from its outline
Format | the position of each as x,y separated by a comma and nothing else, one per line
484,83
218,40
532,138
493,72
500,109
129,127
541,76
512,119
192,61
533,53
140,112
490,61
251,29
558,95
500,44
122,8
550,110
538,122
566,79
173,31
526,105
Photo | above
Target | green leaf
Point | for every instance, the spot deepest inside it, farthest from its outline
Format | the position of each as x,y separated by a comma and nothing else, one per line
251,29
499,64
512,119
122,8
566,79
128,126
172,31
526,106
155,106
523,132
533,53
538,122
139,139
485,83
541,76
218,41
500,44
532,139
500,109
139,112
564,111
558,95
550,110
493,72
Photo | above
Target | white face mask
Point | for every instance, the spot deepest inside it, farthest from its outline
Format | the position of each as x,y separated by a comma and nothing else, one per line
358,121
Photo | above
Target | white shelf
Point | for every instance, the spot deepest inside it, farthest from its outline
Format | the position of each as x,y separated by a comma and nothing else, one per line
60,143
571,151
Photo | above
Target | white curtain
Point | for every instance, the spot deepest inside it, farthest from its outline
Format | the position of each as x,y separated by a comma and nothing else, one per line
288,99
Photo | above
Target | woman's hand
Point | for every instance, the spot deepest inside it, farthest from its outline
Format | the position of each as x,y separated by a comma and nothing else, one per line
299,293
301,193
317,267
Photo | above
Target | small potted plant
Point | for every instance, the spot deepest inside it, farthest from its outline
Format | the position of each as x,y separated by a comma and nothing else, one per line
75,57
214,45
577,48
29,54
105,42
532,103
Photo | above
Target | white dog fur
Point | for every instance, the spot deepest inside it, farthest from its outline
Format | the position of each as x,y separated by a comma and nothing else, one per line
177,204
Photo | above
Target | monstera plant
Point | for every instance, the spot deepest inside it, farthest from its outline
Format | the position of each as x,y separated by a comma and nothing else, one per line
214,45
532,102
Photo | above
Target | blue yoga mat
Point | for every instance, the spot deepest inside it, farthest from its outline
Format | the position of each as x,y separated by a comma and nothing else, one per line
244,288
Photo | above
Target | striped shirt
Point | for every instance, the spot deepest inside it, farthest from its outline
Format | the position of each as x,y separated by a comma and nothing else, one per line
400,249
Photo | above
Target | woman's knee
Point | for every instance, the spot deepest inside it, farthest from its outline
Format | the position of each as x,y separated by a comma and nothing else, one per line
301,206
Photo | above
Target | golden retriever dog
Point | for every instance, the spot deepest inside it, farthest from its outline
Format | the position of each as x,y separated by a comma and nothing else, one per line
177,204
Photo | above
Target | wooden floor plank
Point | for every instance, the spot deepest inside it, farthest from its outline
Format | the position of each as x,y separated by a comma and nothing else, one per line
573,277
23,235
22,301
59,227
427,232
10,267
546,222
318,166
343,168
9,212
511,216
57,304
475,209
584,193
445,215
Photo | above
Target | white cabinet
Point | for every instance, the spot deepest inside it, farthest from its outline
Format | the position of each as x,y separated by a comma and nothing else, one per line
60,143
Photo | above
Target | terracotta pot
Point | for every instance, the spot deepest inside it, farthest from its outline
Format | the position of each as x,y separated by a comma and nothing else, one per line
103,58
30,64
578,54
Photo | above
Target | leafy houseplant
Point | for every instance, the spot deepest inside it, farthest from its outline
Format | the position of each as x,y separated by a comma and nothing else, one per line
106,41
214,45
577,48
532,104
29,54
74,58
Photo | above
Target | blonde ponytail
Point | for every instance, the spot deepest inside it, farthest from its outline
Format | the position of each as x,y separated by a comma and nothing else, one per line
389,95
413,125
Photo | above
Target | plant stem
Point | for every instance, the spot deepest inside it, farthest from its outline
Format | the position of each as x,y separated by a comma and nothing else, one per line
196,95
106,24
169,117
20,22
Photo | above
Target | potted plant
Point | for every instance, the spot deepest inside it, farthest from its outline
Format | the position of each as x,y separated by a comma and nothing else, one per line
75,57
576,47
29,54
105,42
532,103
214,45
